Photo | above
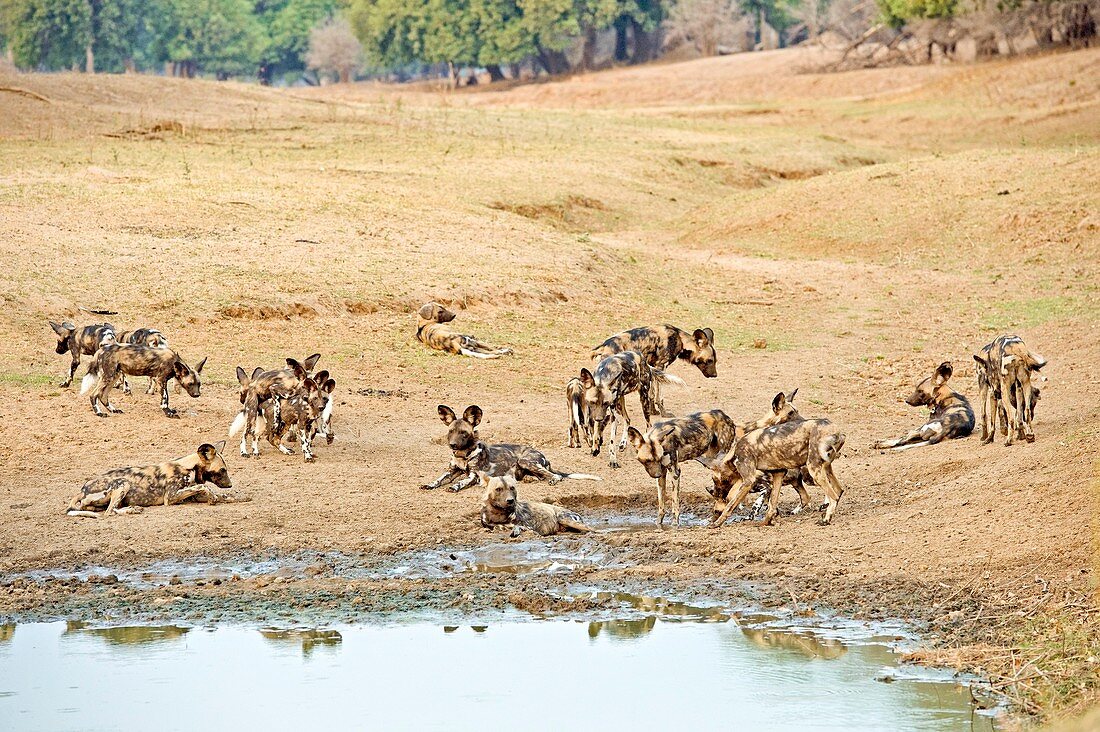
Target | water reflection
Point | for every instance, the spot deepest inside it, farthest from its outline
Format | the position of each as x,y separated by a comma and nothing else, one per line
7,630
809,646
309,639
128,636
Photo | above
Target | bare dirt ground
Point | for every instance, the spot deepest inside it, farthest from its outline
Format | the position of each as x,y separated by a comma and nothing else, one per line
866,226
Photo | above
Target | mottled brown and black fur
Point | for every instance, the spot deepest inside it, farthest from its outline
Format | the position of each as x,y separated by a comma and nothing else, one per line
661,345
500,506
300,412
951,417
580,421
433,333
146,337
79,342
128,490
259,388
160,364
605,395
1008,387
473,460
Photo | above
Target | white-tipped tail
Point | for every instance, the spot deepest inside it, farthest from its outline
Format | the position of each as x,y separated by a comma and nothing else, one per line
582,476
475,354
238,424
87,383
667,378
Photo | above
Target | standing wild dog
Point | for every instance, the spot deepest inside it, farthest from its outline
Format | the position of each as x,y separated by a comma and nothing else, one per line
605,395
145,337
705,437
661,346
473,460
500,506
257,389
128,490
300,412
160,364
580,421
79,342
1008,372
951,416
812,444
431,331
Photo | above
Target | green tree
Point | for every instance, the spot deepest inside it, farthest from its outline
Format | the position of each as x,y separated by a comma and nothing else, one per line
288,24
118,30
223,37
48,34
897,12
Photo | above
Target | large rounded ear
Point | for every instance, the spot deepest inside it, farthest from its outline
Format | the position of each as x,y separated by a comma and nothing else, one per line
427,311
980,361
198,369
778,402
296,367
219,446
311,361
943,373
701,338
637,439
59,329
710,335
242,377
446,414
329,386
256,373
179,369
321,376
790,397
472,415
586,379
207,452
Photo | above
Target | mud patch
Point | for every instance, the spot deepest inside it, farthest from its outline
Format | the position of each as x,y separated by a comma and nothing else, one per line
573,213
268,311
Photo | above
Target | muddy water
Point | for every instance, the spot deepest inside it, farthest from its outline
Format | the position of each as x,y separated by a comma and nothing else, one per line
659,664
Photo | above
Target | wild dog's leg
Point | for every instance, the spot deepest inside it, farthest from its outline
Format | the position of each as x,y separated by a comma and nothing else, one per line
117,491
676,493
646,397
540,471
742,487
307,444
661,482
833,490
103,391
803,496
773,499
911,436
1026,409
149,389
453,473
1011,414
471,479
168,411
73,366
620,410
122,382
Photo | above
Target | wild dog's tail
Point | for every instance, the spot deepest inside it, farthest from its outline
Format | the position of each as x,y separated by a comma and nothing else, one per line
92,377
83,514
476,354
829,449
238,424
663,377
580,476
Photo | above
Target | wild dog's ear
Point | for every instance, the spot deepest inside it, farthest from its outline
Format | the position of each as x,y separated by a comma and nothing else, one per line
242,377
321,376
256,373
710,335
198,369
979,360
943,373
701,338
311,361
779,402
61,330
219,446
446,414
790,397
179,368
296,367
329,386
207,452
637,439
427,311
1035,361
472,415
586,379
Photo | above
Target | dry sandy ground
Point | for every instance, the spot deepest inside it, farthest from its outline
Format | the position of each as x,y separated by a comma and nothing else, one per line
867,226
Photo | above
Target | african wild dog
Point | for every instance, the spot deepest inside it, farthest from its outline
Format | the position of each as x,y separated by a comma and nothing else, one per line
580,421
1008,374
160,364
661,346
705,437
473,460
431,331
299,411
798,443
128,490
605,395
951,416
79,342
500,506
257,389
145,337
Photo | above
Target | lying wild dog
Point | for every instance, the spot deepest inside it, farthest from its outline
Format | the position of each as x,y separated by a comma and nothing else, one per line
661,346
951,416
798,443
160,364
605,395
79,342
473,460
500,506
1008,372
431,331
580,421
145,337
128,490
257,389
300,411
705,437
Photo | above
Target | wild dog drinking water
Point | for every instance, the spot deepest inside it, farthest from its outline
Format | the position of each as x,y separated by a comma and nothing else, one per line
799,443
146,337
79,342
431,331
160,364
128,490
473,460
605,394
1008,388
500,506
299,412
951,416
258,388
580,421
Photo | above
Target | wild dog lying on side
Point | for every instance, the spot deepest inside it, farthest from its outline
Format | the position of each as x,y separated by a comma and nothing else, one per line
605,394
473,460
798,443
580,421
299,412
1008,374
951,416
705,437
431,331
145,337
79,342
257,389
128,490
160,364
500,506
